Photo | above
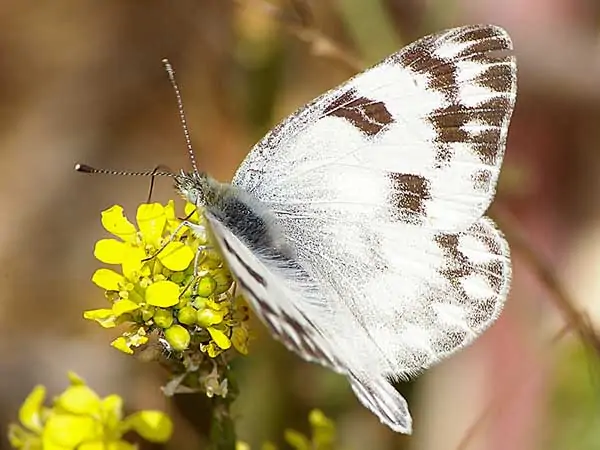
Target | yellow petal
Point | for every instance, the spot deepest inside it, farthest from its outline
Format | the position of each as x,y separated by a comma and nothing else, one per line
112,410
172,219
79,399
110,251
191,212
151,219
176,256
323,429
212,349
132,261
154,426
30,411
207,317
222,307
108,279
19,437
297,440
122,344
74,379
103,445
239,339
115,222
105,317
124,306
220,338
170,211
68,431
163,294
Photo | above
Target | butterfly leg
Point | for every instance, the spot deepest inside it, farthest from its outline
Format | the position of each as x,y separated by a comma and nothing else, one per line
379,396
196,229
168,241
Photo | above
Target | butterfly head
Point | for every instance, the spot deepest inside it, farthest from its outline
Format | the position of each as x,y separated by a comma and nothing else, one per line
195,187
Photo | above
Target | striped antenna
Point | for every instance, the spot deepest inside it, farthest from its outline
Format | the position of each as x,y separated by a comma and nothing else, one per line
157,172
188,141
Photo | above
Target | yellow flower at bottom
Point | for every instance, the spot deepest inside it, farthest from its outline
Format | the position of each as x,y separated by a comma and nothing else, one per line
30,413
154,426
69,431
80,420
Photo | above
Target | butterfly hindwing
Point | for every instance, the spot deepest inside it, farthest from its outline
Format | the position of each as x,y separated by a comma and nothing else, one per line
281,292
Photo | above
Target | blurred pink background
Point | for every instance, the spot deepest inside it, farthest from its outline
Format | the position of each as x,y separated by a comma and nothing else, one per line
82,81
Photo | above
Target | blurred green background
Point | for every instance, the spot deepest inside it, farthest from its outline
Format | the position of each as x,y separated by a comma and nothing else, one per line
82,81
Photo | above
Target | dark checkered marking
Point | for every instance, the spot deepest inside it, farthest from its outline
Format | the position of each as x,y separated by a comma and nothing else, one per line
487,47
302,344
369,116
408,196
482,179
441,72
458,267
253,273
449,122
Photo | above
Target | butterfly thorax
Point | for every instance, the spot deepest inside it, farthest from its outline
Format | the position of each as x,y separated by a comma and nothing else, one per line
235,208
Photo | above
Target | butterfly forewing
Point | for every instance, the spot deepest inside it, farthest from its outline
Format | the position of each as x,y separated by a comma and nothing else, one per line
427,126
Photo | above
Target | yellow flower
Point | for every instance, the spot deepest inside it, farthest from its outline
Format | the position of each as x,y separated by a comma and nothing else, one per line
80,419
169,282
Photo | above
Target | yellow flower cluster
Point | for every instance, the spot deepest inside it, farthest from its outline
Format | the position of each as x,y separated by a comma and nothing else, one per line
163,287
80,419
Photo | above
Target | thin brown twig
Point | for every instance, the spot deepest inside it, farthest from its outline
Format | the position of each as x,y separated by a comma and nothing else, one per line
303,12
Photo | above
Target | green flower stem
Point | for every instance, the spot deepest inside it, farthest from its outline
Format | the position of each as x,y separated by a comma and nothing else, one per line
211,417
222,427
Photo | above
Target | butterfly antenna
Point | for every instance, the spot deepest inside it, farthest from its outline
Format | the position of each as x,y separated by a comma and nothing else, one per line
188,141
157,172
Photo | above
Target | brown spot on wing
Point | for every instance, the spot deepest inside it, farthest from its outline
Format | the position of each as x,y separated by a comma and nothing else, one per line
449,123
482,180
409,194
368,116
458,267
441,74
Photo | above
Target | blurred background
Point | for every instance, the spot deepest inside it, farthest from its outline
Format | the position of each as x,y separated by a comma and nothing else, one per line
82,81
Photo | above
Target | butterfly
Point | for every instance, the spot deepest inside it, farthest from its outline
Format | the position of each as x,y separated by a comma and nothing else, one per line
355,228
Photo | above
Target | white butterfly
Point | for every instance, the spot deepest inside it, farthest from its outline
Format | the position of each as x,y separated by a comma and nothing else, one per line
355,227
